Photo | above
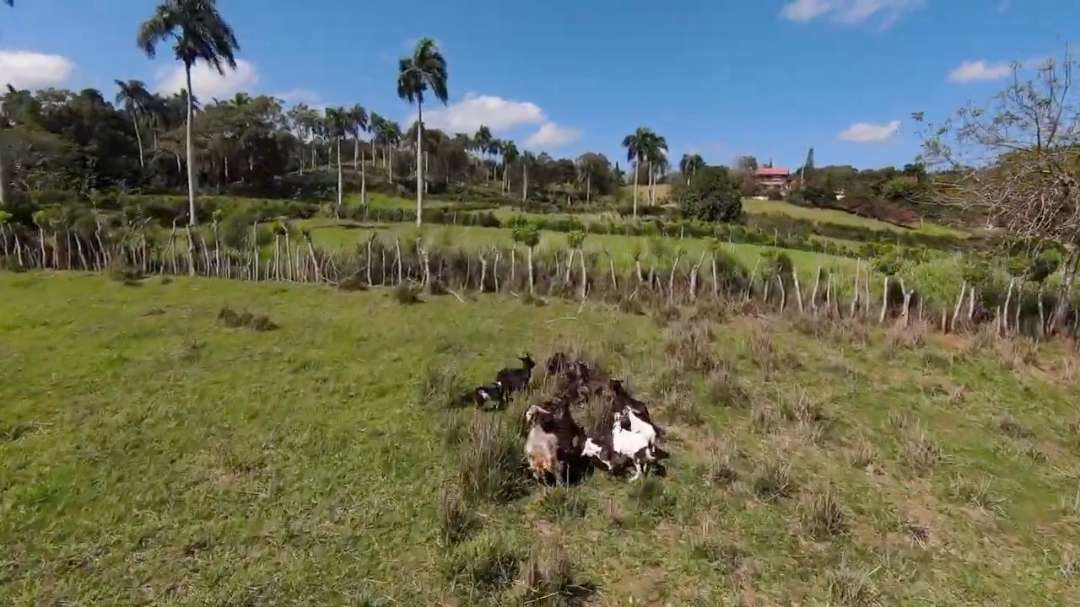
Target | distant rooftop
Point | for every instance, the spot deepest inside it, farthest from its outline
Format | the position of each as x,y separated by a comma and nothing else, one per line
773,172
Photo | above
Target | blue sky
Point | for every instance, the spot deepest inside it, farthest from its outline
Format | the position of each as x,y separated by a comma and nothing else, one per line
764,77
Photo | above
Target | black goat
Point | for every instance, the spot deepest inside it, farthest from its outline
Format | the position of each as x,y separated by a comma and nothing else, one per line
491,395
624,399
516,380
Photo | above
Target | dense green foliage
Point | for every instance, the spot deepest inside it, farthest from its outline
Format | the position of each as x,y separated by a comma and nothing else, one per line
713,195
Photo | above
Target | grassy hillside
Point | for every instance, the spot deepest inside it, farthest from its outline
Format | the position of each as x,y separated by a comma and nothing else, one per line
329,233
149,455
837,217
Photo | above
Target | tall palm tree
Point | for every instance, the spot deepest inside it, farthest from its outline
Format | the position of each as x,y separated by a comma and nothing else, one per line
358,123
199,33
136,101
527,159
690,165
425,69
337,126
510,156
656,155
376,124
635,144
483,142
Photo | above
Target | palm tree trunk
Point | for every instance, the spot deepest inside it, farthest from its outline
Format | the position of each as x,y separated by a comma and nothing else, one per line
524,181
652,191
340,182
138,138
588,189
419,163
3,178
363,183
356,153
636,166
190,151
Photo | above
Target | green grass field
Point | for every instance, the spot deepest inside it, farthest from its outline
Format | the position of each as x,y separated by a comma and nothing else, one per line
331,234
149,455
833,216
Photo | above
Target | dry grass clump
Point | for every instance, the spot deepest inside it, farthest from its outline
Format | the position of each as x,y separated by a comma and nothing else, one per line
920,451
723,388
559,503
911,337
547,577
977,494
863,454
440,386
490,467
484,564
1013,428
353,283
681,407
763,417
721,470
456,519
689,345
823,516
651,498
851,588
234,320
406,294
773,480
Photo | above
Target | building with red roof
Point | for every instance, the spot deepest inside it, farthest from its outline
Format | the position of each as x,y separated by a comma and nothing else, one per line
773,178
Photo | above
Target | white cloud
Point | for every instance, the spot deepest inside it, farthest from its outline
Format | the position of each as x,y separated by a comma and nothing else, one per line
469,114
551,135
804,10
208,83
306,96
30,70
864,132
849,11
979,71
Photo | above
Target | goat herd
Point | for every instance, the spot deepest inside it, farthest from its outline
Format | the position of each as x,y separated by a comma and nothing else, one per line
621,438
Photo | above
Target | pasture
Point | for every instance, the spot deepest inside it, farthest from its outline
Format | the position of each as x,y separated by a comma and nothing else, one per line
150,455
332,234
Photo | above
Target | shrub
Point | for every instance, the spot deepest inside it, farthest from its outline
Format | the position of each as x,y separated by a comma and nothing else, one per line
129,275
353,283
713,195
406,294
490,467
486,562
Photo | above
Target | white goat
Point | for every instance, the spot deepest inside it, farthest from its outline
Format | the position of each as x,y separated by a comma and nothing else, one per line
633,446
640,427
